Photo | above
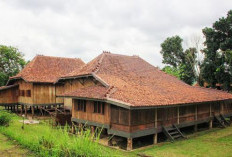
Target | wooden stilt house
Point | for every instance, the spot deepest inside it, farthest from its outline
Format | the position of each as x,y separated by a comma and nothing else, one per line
131,98
34,85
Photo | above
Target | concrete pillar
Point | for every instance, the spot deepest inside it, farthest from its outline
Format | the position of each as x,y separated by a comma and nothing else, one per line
129,144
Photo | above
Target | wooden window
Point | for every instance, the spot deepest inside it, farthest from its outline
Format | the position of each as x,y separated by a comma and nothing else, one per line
28,93
22,93
81,105
99,107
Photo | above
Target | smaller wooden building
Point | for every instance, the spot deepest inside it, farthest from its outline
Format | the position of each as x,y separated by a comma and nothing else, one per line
131,98
34,87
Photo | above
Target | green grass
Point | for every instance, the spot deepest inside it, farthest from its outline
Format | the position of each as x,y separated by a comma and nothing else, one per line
46,141
43,140
210,143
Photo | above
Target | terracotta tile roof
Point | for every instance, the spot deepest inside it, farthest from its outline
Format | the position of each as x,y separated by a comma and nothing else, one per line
48,69
96,92
138,83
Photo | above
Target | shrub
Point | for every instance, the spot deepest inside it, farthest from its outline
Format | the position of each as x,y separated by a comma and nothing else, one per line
5,118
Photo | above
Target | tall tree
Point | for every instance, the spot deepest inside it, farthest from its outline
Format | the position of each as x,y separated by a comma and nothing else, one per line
180,61
217,65
11,62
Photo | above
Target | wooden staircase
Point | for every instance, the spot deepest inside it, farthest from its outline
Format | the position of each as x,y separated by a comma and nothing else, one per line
221,121
173,133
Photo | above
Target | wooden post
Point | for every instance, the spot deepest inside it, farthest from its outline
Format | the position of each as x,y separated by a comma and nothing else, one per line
221,108
25,110
195,127
32,111
211,118
110,141
73,128
21,110
92,131
178,115
129,144
17,108
156,126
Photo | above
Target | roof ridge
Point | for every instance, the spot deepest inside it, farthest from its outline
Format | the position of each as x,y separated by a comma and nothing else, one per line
110,91
96,68
57,57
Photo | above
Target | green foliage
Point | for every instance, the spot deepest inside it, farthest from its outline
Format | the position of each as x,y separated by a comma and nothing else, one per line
217,65
46,141
181,62
5,118
172,71
11,62
172,51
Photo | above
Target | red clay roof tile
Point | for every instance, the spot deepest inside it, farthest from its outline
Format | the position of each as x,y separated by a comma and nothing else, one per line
138,83
47,69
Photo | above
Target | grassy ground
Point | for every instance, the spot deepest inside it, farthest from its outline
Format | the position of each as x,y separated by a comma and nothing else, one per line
210,143
9,148
44,141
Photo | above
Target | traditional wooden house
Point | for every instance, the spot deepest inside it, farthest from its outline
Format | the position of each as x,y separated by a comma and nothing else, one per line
131,98
34,85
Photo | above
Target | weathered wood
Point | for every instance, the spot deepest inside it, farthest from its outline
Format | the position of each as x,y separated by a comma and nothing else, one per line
129,144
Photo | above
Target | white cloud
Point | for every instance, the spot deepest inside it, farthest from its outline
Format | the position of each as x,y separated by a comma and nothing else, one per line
77,28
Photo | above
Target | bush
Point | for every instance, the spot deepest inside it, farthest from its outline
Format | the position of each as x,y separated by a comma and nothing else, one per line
5,118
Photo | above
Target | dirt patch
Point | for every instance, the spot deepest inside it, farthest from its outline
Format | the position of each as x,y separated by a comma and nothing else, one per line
9,148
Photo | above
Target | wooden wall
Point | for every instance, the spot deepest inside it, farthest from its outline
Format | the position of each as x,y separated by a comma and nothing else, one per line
44,93
89,115
8,96
135,120
25,86
72,85
59,90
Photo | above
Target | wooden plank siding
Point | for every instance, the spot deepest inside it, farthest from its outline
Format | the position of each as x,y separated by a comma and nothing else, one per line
89,114
23,88
9,96
145,119
72,85
44,93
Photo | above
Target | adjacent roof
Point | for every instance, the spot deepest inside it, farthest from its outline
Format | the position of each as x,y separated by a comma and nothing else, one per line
47,69
134,82
8,87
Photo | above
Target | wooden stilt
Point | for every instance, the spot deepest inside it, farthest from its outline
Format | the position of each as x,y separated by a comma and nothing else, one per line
92,131
178,115
210,115
21,110
110,142
32,111
129,144
155,138
195,127
17,108
25,110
